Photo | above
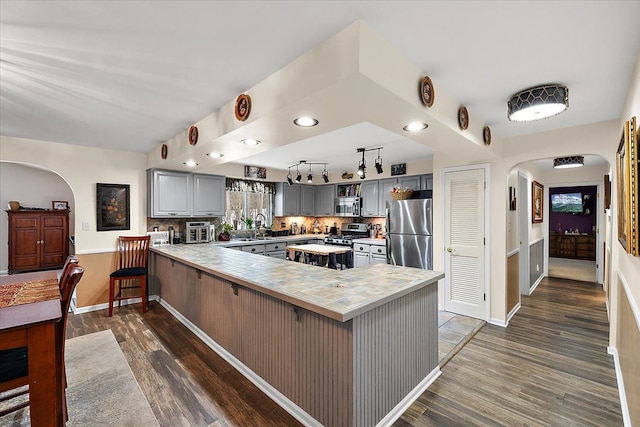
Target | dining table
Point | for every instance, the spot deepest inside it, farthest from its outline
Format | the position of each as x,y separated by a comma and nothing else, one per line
30,310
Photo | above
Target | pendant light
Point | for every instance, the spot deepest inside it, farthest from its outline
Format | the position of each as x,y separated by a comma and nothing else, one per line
379,163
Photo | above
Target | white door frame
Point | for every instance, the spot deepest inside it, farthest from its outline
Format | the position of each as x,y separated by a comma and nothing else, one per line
522,206
601,217
487,222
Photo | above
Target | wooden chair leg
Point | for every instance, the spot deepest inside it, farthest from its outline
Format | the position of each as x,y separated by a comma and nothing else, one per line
111,289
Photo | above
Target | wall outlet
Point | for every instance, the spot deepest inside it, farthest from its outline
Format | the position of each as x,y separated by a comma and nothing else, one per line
85,226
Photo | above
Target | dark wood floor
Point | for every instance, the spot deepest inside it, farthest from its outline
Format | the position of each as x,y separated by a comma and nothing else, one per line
185,382
549,367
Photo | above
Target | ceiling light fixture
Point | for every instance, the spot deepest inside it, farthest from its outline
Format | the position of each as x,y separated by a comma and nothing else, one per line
191,163
538,103
362,164
215,155
415,126
305,122
379,163
289,179
568,162
251,141
325,174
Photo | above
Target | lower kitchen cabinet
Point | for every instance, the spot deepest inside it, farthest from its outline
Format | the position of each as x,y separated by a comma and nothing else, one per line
364,254
38,239
276,250
377,254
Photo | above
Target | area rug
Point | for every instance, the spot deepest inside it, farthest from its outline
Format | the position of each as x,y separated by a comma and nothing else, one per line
102,390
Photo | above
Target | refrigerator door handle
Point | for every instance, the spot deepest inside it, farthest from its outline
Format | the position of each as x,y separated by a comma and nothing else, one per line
388,238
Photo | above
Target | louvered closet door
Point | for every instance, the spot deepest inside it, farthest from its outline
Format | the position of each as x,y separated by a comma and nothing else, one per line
464,243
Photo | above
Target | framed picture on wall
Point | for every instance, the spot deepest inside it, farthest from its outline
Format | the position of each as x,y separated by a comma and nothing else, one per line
112,207
607,192
255,172
537,195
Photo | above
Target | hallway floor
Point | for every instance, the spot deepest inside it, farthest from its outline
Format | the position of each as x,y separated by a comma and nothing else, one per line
550,366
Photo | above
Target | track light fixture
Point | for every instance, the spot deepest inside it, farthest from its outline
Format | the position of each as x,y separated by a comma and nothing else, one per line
325,174
362,164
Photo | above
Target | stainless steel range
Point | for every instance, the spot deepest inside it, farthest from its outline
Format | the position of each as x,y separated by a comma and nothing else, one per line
348,232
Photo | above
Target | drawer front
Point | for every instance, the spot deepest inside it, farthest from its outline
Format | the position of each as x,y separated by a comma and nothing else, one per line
378,250
277,254
359,247
255,249
270,247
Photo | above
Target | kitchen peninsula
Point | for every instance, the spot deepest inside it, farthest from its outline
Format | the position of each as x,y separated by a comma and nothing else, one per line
334,348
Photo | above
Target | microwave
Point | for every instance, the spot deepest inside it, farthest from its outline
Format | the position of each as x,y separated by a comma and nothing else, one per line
347,206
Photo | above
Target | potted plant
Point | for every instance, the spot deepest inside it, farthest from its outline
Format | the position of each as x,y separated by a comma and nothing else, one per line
225,236
249,223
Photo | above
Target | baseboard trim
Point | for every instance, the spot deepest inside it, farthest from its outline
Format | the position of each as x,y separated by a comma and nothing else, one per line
499,322
535,284
105,305
297,412
626,417
408,400
513,311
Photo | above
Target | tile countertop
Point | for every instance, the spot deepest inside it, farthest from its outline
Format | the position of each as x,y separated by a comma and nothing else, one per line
337,294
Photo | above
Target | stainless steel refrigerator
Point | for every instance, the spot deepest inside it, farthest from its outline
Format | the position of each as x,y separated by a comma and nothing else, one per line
409,239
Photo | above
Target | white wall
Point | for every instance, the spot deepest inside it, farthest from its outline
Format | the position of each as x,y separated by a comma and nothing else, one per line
83,167
32,187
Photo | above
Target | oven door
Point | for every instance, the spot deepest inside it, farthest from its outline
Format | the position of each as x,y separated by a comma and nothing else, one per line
347,206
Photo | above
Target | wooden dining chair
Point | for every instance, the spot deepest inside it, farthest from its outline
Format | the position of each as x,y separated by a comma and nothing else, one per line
132,258
16,374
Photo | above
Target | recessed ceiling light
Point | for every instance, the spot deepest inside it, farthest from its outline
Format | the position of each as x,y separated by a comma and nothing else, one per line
305,121
190,163
251,141
215,155
415,126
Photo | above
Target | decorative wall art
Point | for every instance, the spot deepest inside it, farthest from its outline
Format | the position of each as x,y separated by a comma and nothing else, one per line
537,207
512,198
627,182
486,135
193,135
427,94
255,172
243,107
164,150
463,118
112,207
58,205
399,169
607,192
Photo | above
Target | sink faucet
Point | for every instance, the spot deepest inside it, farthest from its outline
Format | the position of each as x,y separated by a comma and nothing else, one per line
260,223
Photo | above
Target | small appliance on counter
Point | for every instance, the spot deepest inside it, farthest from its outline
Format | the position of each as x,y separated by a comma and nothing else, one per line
158,238
196,232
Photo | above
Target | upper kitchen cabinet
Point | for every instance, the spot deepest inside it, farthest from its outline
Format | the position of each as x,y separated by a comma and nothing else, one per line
426,182
307,202
287,200
324,195
170,193
370,203
412,182
384,193
174,194
208,195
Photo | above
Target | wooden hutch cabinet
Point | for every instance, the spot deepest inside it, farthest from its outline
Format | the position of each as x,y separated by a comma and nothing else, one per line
38,239
577,246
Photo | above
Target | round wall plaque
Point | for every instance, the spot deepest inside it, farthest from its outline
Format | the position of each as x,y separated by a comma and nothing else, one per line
427,93
486,135
164,150
193,135
243,107
463,118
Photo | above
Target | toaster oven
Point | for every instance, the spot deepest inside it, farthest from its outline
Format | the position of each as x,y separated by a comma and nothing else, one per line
196,232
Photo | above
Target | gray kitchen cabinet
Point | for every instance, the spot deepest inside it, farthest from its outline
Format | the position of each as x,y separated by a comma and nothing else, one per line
287,200
208,195
276,250
426,182
370,202
360,255
412,182
324,196
254,249
170,194
307,200
384,193
377,254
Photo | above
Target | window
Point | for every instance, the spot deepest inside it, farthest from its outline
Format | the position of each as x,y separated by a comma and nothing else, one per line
248,199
